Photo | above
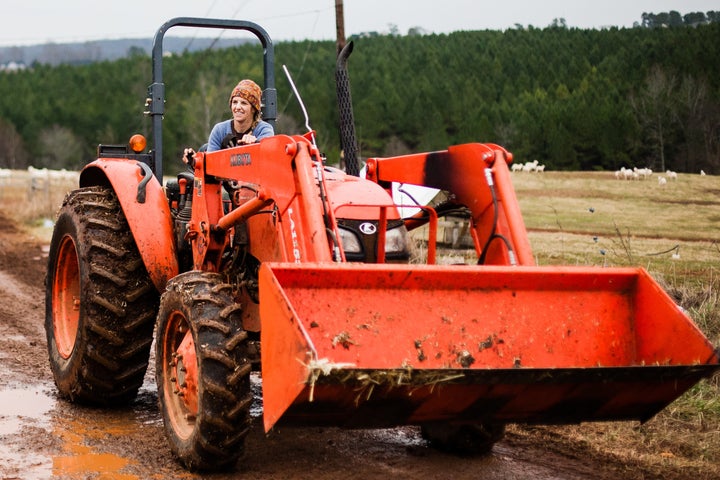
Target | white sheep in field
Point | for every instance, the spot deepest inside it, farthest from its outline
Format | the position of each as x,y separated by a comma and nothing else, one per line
64,174
643,173
45,174
5,176
671,175
530,166
702,173
39,178
662,181
625,174
516,167
38,172
540,168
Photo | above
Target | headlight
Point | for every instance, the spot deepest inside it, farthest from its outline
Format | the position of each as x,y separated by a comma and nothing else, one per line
396,240
350,241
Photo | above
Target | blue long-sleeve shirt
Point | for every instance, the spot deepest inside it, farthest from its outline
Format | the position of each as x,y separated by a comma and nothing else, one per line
221,130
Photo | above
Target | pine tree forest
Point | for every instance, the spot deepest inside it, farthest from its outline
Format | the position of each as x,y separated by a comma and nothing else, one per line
574,99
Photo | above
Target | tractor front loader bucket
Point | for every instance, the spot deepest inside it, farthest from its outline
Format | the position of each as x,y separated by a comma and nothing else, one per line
372,345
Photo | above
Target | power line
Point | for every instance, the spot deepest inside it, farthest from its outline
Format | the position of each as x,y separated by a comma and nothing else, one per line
207,14
302,64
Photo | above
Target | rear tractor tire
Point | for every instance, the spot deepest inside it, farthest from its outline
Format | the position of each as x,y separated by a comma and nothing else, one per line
100,304
203,371
464,439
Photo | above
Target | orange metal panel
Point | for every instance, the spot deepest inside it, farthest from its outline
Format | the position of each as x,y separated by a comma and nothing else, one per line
511,212
284,365
461,170
150,222
283,166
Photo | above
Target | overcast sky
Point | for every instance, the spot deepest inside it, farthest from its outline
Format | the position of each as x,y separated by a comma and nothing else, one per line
26,22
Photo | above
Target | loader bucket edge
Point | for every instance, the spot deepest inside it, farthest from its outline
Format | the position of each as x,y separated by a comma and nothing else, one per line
381,345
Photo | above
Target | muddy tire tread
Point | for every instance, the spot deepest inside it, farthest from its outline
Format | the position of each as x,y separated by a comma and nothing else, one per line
218,437
118,303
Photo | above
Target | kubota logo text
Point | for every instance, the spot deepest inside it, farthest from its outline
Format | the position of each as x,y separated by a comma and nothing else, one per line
240,159
294,237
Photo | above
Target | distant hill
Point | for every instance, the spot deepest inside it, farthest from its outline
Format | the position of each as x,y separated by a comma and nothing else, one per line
101,50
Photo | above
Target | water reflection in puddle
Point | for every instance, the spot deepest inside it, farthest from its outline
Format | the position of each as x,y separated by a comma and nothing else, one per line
23,406
80,460
80,433
42,437
22,410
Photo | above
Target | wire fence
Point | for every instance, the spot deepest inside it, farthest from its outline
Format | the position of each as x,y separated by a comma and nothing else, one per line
34,194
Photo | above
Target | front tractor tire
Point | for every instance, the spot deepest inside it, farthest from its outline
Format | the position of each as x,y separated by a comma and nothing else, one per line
100,304
203,371
468,439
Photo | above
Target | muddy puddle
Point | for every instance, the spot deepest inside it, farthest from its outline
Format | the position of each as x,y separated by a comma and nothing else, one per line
24,406
42,436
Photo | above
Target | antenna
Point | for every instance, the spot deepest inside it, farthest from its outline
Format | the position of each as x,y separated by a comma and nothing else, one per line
302,105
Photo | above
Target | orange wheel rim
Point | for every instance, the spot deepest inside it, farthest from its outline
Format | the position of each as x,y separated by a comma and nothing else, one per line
66,298
180,374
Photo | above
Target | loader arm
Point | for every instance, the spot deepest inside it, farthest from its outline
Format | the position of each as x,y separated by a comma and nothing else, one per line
477,176
287,215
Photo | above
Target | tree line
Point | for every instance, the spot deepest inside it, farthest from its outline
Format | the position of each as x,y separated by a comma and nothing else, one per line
574,99
674,18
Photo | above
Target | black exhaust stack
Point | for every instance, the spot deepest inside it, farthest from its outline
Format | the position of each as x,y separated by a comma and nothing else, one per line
348,143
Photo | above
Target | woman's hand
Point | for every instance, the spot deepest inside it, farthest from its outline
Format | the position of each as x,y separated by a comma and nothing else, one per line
189,157
247,139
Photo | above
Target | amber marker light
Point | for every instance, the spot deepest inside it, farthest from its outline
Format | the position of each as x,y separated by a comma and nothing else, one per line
138,143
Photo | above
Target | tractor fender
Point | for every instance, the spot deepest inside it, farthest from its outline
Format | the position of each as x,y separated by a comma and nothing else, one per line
146,209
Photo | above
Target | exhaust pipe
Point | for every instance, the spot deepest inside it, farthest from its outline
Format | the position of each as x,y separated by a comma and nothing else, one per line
348,143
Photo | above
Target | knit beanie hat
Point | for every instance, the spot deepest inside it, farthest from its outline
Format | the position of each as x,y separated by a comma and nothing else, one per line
248,90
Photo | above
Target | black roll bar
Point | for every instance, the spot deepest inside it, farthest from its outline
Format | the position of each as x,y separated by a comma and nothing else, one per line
156,91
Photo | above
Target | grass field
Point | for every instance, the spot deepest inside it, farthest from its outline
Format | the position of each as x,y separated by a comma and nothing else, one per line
673,231
631,221
33,198
585,218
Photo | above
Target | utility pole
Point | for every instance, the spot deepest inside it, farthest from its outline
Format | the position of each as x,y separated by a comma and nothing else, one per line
339,25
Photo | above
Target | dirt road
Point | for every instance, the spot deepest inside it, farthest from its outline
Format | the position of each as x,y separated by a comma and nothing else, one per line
43,437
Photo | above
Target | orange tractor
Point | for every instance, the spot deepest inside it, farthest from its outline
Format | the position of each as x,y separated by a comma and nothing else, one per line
263,258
